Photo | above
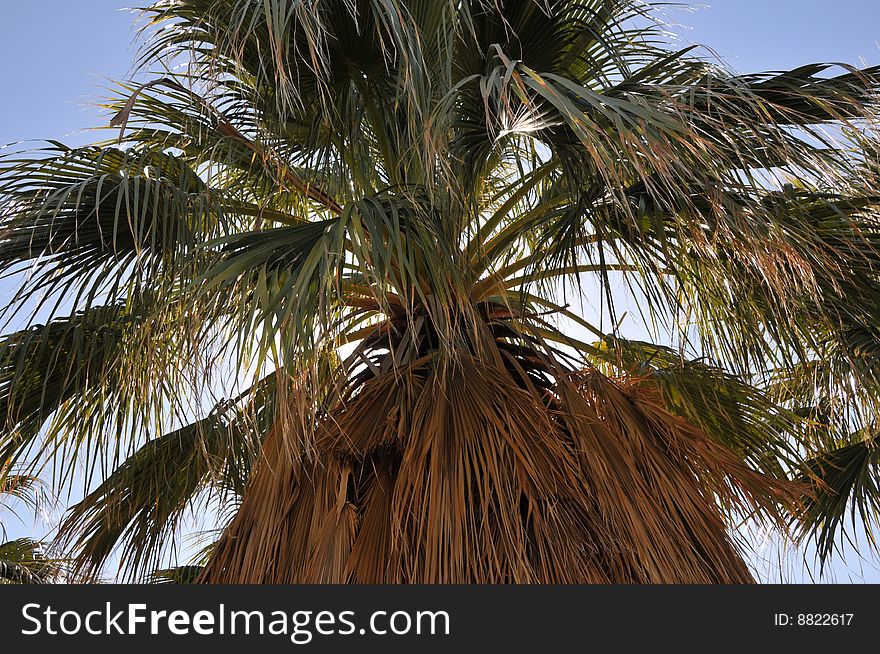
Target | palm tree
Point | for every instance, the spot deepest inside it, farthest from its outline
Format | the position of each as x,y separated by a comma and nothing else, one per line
330,277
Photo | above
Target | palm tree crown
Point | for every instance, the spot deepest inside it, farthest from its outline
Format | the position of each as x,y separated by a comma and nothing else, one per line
367,226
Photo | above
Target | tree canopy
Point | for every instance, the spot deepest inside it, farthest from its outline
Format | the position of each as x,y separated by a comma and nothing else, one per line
327,273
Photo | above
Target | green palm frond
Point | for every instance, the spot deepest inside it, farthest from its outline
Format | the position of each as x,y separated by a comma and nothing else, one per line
46,365
138,507
846,479
90,215
23,562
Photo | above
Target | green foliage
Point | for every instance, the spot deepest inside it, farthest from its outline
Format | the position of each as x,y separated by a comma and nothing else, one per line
23,562
413,177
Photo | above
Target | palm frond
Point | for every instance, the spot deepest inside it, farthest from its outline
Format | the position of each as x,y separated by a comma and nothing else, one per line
23,562
846,482
137,508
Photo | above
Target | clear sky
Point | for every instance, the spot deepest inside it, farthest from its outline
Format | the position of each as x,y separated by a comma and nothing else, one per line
55,56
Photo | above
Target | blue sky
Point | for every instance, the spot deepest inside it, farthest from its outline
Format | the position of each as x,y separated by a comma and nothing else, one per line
56,55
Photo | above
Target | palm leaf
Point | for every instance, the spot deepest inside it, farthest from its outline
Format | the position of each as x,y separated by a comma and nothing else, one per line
23,562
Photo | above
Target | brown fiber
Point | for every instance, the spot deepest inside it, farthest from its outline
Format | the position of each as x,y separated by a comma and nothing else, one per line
463,473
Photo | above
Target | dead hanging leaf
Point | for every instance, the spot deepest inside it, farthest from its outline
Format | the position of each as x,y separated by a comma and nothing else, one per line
460,473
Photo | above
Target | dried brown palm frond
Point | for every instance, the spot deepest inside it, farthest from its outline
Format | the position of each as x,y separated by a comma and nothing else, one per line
472,470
